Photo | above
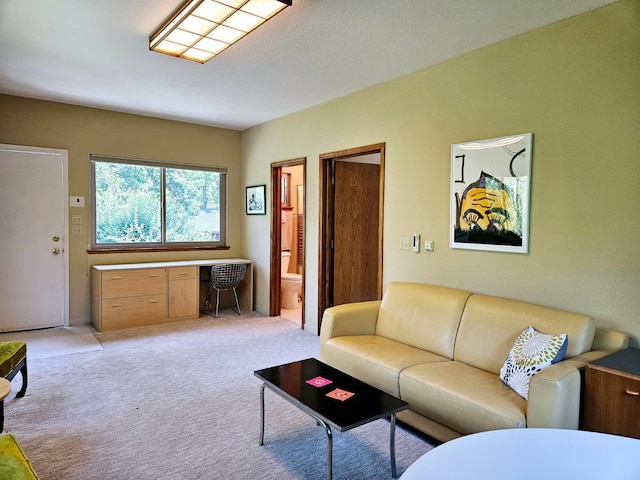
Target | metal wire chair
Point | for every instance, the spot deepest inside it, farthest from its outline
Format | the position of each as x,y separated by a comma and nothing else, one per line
225,277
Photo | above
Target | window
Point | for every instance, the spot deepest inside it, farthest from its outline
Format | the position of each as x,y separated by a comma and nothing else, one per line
138,204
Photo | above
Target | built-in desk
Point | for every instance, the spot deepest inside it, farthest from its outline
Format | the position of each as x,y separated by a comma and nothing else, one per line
137,294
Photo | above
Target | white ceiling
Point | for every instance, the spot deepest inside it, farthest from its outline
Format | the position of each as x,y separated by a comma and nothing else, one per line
95,53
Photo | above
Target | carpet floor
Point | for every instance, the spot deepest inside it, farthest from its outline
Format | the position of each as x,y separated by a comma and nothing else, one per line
180,401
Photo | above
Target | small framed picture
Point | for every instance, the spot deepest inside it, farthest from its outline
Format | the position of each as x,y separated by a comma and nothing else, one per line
256,203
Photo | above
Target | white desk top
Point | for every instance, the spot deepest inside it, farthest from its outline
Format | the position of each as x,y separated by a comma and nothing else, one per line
183,263
531,453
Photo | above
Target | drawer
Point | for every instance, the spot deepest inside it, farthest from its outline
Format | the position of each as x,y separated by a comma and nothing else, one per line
129,283
183,273
612,402
133,311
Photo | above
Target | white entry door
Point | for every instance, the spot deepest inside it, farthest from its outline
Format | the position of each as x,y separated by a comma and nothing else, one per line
34,266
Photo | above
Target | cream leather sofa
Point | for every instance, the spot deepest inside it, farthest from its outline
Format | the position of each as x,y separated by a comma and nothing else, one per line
441,350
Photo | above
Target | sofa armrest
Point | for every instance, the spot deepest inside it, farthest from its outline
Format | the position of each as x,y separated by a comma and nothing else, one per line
554,393
349,319
609,340
554,396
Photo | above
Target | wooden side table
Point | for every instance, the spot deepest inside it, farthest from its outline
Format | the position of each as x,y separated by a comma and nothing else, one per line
5,388
612,394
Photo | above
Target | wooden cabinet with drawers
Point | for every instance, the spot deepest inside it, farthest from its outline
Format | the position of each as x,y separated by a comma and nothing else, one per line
137,294
612,394
128,298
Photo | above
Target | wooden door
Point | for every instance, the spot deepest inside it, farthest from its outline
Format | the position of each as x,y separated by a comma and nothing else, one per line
34,283
351,225
355,232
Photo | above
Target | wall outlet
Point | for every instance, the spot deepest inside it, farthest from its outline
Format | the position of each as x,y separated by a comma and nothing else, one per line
428,245
76,230
404,243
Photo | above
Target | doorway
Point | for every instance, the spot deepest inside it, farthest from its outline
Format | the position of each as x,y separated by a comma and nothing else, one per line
351,215
34,285
287,256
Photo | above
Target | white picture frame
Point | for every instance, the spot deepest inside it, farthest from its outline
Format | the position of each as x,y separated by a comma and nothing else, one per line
490,194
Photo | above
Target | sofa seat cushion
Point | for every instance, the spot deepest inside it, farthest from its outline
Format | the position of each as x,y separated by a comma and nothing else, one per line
465,398
11,354
375,360
14,464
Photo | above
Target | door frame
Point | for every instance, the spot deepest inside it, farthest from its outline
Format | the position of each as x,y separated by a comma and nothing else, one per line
276,234
326,220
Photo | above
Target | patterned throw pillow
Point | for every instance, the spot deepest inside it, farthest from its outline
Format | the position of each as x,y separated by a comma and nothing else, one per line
531,352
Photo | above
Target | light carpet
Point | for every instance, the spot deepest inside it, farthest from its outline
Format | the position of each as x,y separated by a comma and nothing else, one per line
180,401
50,342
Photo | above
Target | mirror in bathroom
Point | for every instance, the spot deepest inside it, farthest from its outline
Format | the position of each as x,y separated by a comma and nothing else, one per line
285,188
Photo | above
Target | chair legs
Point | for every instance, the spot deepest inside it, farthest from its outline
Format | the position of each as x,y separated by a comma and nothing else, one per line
207,302
22,368
235,294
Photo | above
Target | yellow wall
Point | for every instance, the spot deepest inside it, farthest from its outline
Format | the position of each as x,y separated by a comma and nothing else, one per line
575,85
83,131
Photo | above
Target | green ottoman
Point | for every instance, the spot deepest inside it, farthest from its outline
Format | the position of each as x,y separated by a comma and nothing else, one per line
14,464
13,359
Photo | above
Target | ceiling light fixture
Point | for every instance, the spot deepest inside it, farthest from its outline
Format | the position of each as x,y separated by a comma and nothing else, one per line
200,29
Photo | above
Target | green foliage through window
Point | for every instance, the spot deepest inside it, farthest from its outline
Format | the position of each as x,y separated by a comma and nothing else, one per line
128,200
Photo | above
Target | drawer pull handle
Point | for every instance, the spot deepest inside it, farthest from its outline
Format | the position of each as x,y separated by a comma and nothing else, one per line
116,278
153,301
116,305
156,275
184,273
632,392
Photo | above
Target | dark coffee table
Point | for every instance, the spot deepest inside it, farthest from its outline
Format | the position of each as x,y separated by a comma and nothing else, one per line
368,404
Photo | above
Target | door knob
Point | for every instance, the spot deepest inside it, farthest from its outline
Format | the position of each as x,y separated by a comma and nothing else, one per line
56,251
56,238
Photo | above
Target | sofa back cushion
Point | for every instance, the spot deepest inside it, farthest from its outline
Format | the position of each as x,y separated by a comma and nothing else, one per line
490,325
423,316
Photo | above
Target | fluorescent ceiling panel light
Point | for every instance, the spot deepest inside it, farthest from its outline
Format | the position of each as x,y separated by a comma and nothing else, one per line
200,29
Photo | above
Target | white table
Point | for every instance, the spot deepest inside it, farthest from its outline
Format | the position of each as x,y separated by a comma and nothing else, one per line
531,453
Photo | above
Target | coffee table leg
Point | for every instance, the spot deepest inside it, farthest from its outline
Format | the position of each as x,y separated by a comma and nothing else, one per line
329,448
392,446
262,414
